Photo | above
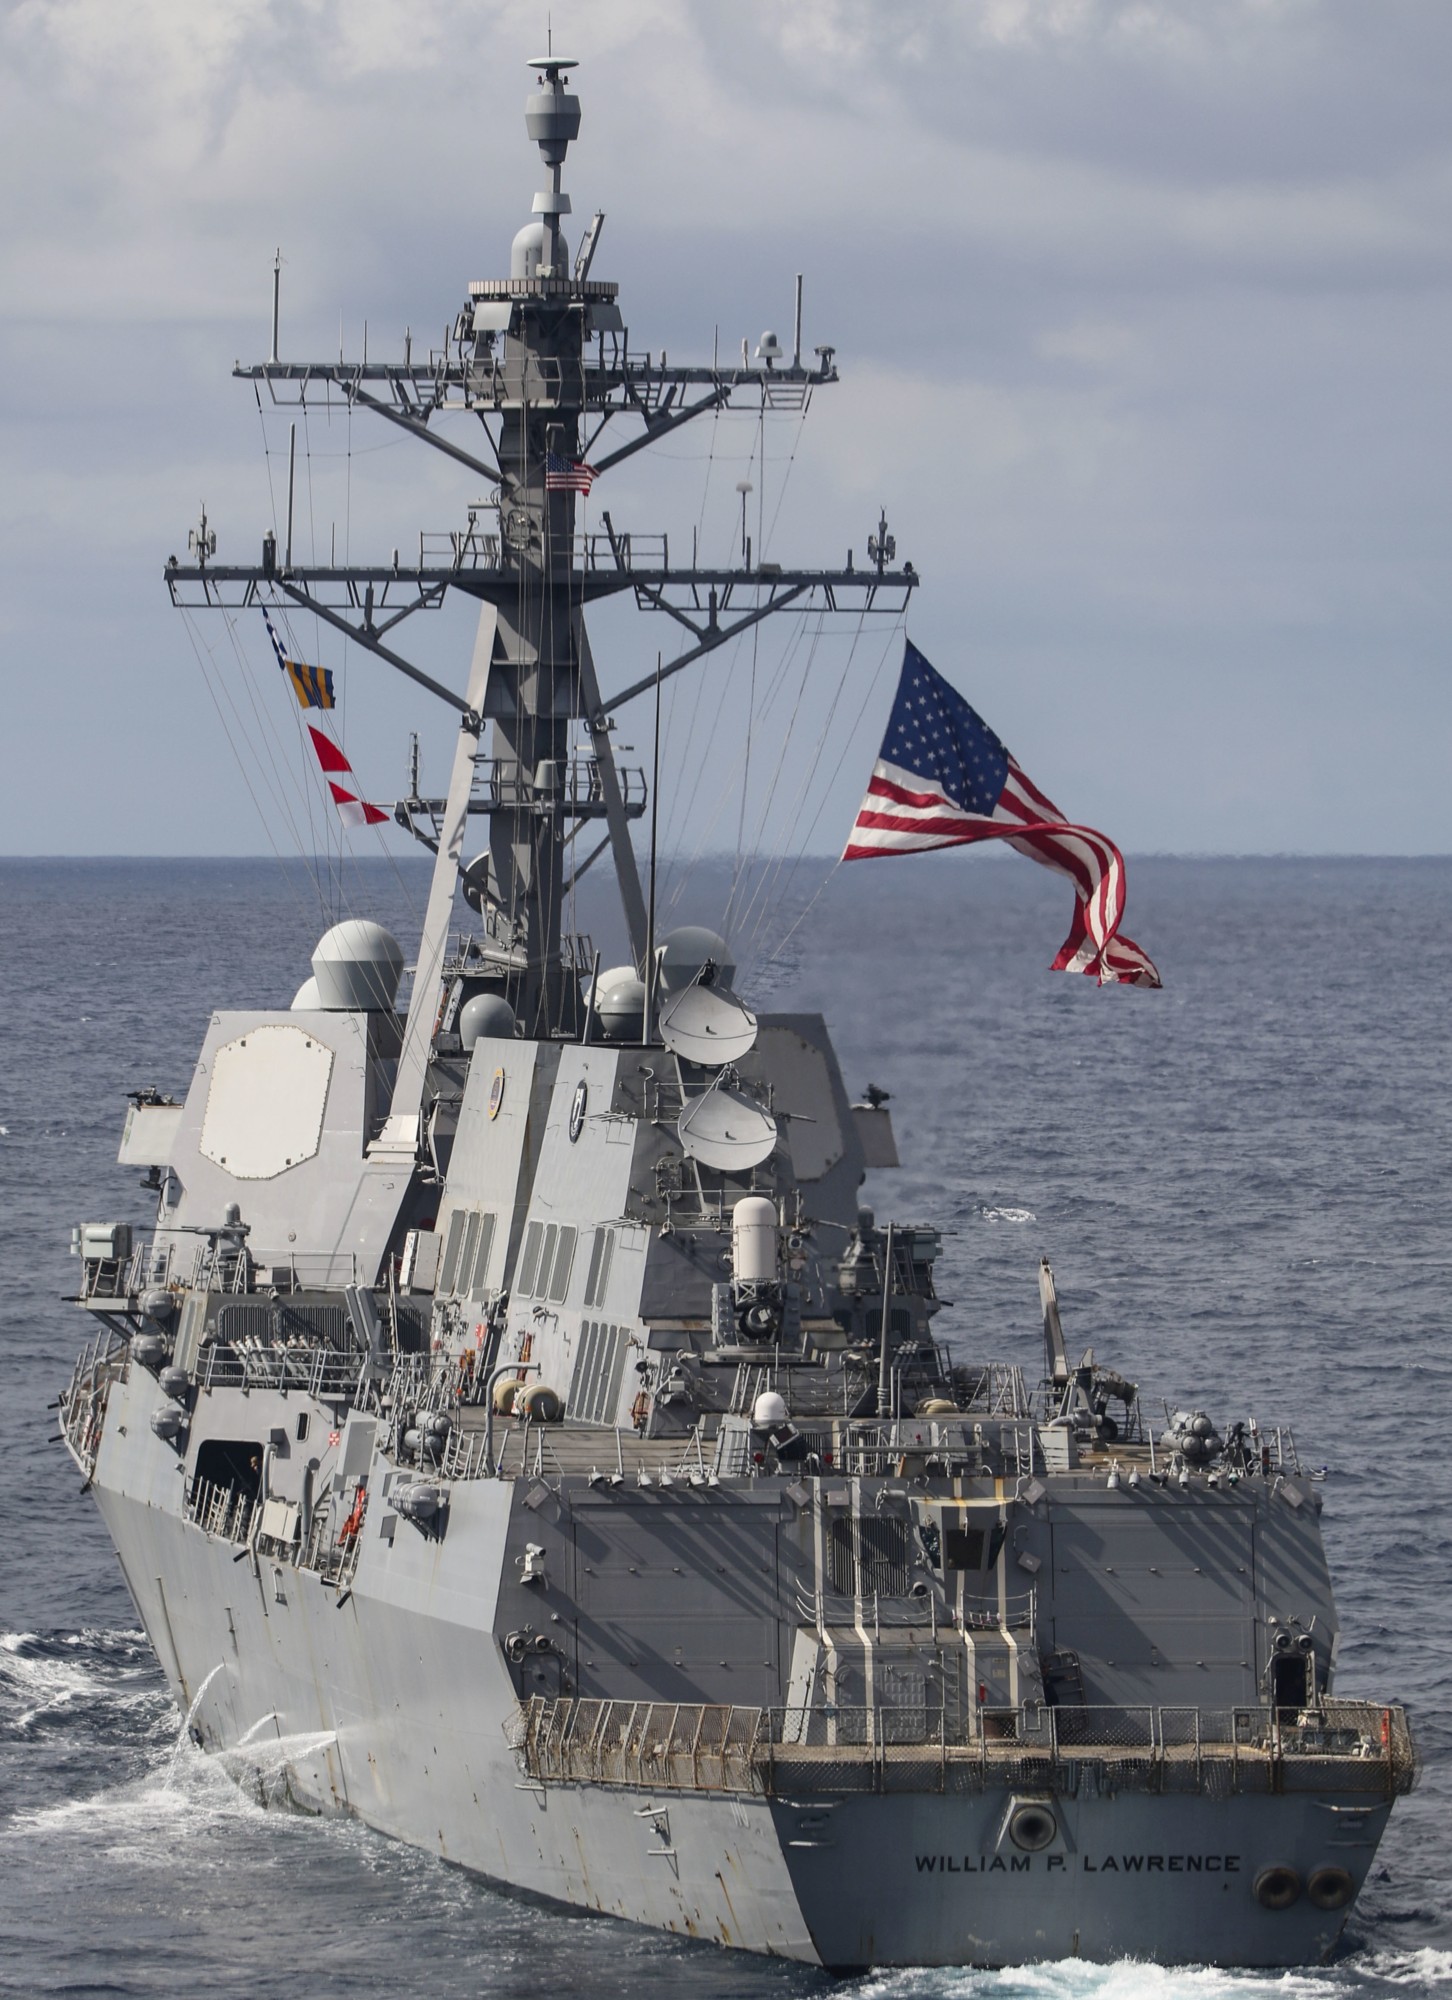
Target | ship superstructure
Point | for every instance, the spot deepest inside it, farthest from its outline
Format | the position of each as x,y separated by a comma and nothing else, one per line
514,1429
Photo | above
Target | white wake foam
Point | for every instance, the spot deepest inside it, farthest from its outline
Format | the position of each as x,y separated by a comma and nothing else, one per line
185,1797
1426,1971
1077,1979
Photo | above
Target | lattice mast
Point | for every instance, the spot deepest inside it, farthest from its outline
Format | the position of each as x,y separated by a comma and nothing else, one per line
542,359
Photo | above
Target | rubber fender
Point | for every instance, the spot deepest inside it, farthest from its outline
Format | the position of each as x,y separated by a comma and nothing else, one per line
1276,1888
1330,1888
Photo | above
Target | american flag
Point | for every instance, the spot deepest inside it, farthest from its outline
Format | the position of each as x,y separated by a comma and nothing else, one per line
568,475
945,780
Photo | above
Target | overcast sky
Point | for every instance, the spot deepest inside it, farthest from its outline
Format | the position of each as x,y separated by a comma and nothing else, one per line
1141,310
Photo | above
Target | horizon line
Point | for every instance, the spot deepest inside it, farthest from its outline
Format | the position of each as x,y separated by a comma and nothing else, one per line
333,857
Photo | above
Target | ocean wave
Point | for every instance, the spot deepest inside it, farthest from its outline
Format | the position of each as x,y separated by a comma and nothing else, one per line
1426,1971
1007,1215
46,1678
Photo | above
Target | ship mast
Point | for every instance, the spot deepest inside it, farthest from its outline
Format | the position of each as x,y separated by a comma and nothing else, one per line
542,360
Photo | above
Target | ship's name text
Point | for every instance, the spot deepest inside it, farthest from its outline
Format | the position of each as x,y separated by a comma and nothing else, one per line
1104,1864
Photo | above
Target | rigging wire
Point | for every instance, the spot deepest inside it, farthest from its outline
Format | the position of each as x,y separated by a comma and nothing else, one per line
769,799
689,779
747,857
265,746
782,890
304,745
334,853
730,778
290,643
202,654
323,860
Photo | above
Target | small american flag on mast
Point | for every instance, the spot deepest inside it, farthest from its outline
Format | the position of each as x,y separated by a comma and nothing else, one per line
568,475
945,780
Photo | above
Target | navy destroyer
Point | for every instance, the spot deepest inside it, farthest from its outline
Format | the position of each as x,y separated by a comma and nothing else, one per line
515,1432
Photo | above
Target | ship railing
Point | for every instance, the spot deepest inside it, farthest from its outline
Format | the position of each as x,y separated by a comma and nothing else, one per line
919,1746
221,1511
329,1546
155,1265
750,1379
577,789
236,1274
829,1609
477,548
340,1561
653,1746
83,1400
1359,1747
1282,1447
869,1449
248,1364
999,1391
604,1454
413,1382
311,1271
466,1456
217,1269
108,1277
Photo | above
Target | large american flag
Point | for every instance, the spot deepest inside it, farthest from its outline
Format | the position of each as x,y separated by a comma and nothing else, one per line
944,780
568,475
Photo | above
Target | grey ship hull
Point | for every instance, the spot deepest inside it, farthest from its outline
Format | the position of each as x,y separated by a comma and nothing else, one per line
387,1699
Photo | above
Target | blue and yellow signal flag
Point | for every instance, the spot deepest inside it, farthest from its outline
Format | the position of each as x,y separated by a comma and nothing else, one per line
313,686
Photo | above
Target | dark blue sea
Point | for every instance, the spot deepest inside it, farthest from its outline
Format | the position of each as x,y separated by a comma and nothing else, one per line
1243,1183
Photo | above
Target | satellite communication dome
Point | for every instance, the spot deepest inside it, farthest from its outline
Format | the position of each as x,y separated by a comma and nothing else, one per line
685,953
307,997
769,1411
357,967
620,1004
485,1014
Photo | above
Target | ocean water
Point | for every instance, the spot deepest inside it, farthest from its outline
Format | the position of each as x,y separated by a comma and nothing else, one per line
1243,1183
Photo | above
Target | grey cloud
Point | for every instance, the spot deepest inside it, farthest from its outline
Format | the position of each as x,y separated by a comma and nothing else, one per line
1141,310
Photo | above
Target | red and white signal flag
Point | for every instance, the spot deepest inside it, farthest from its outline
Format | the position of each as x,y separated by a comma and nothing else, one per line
352,810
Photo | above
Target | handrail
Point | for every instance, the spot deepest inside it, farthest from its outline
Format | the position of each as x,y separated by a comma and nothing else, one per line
1355,1746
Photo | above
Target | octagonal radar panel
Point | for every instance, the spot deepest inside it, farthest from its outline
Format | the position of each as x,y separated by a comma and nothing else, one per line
725,1129
707,1024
